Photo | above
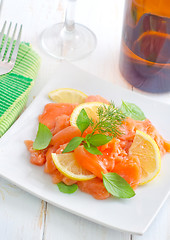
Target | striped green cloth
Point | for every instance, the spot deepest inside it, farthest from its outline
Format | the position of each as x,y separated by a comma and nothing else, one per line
15,86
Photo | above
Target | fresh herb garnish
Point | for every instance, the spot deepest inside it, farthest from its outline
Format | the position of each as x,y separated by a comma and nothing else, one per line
83,121
92,149
117,186
133,111
109,120
99,139
67,188
74,143
43,137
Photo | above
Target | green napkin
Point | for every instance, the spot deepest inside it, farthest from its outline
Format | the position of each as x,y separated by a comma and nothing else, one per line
15,86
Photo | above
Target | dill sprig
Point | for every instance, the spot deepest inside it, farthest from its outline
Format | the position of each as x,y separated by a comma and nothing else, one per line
109,120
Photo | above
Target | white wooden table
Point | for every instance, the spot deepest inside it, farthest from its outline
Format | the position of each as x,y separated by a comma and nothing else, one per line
23,216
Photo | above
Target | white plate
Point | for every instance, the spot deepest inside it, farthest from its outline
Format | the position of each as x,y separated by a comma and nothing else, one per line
132,215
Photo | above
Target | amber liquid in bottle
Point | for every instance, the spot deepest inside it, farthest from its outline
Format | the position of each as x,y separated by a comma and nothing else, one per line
145,50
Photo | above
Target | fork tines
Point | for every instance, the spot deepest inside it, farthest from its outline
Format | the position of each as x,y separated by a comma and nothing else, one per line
5,57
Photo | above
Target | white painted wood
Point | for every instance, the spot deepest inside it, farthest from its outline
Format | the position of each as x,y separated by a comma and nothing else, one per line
160,228
23,216
62,225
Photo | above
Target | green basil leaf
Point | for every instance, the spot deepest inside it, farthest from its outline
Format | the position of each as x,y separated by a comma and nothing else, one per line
74,143
133,111
83,121
92,149
67,189
117,186
99,139
43,137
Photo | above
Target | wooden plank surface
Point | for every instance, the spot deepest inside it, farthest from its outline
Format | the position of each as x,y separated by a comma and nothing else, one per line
23,216
160,228
74,227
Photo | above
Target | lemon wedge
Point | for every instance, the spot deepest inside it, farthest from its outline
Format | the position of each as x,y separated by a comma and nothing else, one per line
67,95
68,166
90,108
149,156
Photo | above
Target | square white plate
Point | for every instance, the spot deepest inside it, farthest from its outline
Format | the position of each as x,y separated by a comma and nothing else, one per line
132,215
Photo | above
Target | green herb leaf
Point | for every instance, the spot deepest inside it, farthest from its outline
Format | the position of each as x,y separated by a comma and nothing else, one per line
99,139
109,120
83,121
117,186
133,111
43,137
74,143
92,149
67,189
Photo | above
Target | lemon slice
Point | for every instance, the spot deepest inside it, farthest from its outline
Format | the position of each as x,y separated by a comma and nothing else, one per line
90,108
149,156
68,166
67,95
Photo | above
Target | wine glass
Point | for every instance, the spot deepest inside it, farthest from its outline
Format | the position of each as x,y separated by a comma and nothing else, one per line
69,40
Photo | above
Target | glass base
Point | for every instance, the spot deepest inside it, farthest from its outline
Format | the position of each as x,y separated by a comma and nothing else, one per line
68,45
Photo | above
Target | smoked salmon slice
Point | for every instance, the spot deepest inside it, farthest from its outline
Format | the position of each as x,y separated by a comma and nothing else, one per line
65,136
95,188
90,161
37,157
96,98
53,110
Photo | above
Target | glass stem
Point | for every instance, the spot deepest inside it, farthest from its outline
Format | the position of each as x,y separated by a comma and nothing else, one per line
70,16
